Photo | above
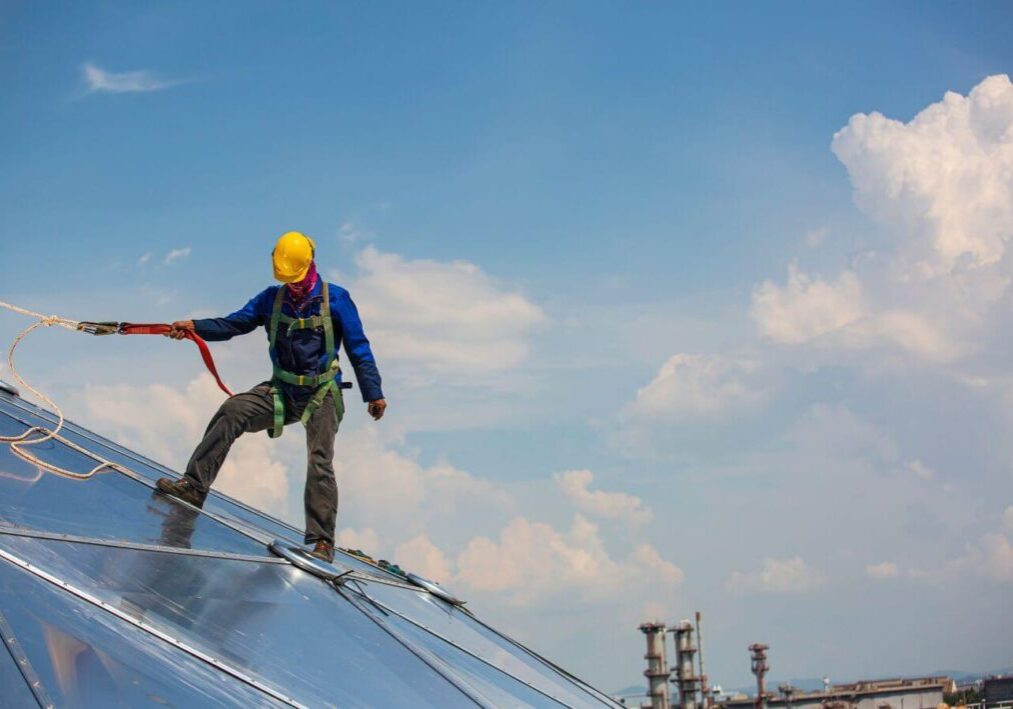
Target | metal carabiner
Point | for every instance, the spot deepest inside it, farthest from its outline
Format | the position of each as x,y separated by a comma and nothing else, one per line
99,328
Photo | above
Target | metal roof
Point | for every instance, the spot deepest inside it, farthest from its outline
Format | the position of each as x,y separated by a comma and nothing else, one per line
113,594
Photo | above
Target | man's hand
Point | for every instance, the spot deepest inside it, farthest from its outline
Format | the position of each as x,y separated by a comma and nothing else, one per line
376,408
179,329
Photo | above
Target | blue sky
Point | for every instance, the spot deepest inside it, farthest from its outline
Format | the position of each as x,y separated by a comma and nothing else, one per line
540,207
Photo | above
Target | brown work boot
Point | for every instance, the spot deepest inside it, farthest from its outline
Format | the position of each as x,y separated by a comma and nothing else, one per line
181,489
324,551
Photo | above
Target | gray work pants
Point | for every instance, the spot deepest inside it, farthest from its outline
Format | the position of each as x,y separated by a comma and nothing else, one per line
253,411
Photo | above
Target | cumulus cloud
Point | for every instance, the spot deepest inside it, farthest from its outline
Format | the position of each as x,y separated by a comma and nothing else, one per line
940,188
806,307
575,485
532,561
791,575
442,316
690,390
944,180
694,385
396,496
424,558
102,81
176,255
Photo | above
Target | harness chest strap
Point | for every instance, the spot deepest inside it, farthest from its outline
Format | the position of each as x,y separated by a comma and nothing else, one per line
324,381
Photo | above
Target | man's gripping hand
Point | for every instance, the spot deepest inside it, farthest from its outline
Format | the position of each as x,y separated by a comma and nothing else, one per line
376,408
179,329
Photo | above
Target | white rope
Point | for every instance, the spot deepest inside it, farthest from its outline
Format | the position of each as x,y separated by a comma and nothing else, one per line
20,441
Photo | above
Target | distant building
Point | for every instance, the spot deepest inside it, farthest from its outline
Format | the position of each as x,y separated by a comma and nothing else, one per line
920,693
997,689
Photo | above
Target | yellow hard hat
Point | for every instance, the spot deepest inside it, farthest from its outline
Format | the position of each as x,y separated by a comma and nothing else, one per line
292,256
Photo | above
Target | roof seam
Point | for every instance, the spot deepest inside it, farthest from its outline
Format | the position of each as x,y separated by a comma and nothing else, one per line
443,671
138,546
24,665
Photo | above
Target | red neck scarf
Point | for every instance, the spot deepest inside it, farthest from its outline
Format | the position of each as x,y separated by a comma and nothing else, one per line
299,292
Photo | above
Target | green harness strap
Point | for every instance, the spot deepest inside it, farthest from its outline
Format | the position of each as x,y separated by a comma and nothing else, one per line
324,382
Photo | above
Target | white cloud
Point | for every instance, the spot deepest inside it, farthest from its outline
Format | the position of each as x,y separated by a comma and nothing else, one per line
694,385
944,180
806,308
884,570
533,562
575,485
425,559
398,498
791,575
444,317
144,259
100,80
176,255
940,189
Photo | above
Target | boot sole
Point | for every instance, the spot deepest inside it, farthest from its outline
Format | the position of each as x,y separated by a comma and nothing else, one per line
166,488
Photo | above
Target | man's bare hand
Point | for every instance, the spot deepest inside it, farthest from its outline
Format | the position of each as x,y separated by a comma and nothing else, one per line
376,408
180,328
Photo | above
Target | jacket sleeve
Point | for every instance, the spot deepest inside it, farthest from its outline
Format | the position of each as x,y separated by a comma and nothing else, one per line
356,345
246,319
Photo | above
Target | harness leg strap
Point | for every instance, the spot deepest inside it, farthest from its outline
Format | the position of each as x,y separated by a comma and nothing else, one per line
279,414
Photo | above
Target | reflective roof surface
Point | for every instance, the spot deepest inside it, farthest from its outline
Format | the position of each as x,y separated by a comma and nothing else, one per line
112,594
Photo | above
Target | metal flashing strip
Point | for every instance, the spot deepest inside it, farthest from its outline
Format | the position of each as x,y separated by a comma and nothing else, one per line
137,546
258,535
9,389
85,596
466,651
24,665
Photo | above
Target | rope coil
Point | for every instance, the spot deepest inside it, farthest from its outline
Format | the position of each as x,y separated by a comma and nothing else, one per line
19,442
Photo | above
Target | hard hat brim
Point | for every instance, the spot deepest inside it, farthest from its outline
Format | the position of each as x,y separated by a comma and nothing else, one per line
290,277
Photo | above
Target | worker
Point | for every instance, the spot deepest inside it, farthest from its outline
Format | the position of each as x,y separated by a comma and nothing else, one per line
307,321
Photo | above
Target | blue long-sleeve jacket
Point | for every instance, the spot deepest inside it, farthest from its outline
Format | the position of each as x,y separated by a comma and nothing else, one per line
303,351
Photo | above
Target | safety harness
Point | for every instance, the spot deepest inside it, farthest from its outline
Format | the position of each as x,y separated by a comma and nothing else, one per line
323,382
